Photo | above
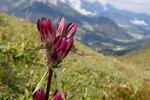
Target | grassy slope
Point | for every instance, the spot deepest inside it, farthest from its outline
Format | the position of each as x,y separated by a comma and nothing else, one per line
20,73
139,60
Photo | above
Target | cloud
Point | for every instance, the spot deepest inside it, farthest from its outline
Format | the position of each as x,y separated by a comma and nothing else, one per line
63,1
139,22
139,6
102,2
54,2
76,4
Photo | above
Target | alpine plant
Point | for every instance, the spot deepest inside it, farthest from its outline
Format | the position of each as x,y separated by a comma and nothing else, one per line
57,41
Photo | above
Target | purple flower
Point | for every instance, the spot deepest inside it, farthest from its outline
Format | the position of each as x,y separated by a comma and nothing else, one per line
61,38
45,28
39,95
93,73
60,48
57,96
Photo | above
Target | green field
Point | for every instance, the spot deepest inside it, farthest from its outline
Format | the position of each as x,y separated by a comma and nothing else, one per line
114,79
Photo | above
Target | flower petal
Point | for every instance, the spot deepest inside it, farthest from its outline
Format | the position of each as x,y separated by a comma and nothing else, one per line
71,29
69,43
57,42
62,43
60,26
51,34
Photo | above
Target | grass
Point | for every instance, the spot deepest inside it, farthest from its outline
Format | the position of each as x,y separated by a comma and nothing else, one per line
19,73
139,60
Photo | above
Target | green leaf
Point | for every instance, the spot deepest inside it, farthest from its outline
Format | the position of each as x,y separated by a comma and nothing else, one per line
41,81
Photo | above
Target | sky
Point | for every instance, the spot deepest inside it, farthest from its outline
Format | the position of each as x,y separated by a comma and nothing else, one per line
139,6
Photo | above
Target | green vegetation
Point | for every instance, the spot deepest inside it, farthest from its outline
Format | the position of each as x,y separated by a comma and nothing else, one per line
84,74
139,60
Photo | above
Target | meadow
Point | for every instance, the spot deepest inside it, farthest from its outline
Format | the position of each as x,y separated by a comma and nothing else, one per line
85,74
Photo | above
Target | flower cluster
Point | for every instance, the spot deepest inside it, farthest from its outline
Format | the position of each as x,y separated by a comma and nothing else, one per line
59,40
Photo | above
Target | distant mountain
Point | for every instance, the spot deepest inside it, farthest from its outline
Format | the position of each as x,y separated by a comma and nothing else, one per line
120,16
123,18
100,33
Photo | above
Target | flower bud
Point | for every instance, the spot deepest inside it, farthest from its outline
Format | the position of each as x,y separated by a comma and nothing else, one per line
60,26
57,96
45,28
71,29
39,95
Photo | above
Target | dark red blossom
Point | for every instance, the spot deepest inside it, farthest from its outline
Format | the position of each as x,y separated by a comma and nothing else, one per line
60,48
39,95
57,96
45,28
61,38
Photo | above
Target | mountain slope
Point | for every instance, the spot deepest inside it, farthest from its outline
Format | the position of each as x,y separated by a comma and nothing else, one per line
101,34
84,74
139,57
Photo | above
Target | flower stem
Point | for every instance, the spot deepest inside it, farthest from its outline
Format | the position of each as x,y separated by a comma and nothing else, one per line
49,83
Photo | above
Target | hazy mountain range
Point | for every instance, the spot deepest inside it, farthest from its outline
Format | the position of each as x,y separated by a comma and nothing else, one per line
101,27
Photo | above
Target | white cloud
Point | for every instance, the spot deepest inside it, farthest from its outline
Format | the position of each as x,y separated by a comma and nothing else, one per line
139,6
139,22
105,8
54,2
102,2
76,4
63,1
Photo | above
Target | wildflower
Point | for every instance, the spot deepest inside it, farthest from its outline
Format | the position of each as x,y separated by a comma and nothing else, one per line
57,96
39,95
58,43
45,28
93,73
63,42
60,49
60,39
